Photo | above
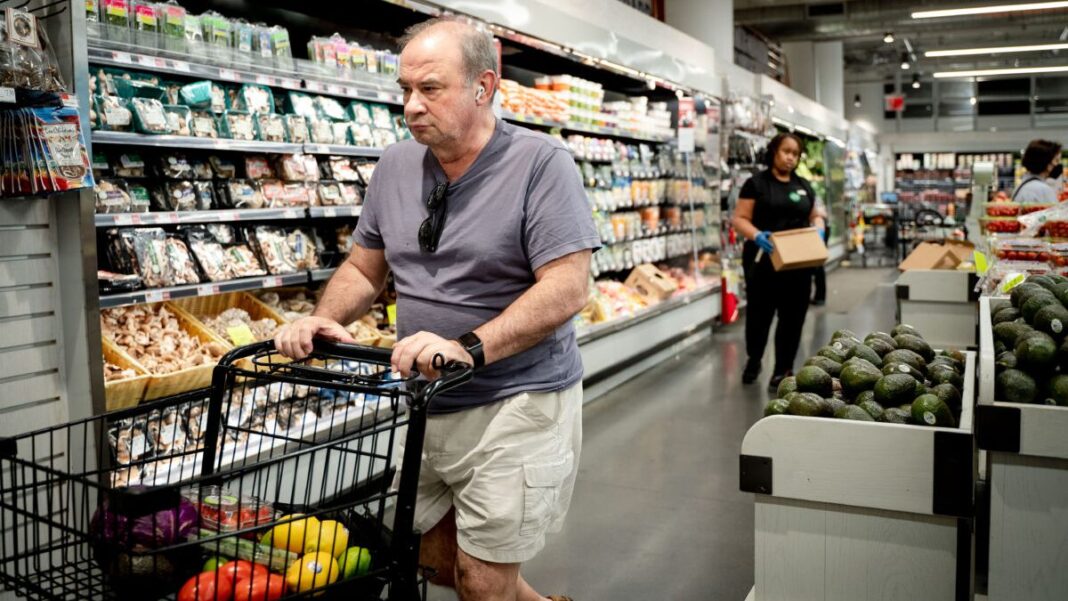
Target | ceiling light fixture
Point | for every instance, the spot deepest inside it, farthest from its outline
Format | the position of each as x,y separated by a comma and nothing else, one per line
995,50
856,100
905,65
889,37
916,81
995,72
972,100
986,10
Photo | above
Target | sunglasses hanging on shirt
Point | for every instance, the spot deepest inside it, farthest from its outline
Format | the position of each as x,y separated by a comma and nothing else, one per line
430,229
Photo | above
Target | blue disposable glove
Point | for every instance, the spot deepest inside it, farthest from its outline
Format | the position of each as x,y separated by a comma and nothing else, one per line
763,240
823,235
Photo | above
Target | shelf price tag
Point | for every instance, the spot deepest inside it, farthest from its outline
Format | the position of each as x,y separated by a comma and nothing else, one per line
7,94
319,149
391,314
157,296
386,96
240,335
207,289
180,66
169,217
124,219
290,214
272,282
335,89
330,212
229,74
122,57
229,216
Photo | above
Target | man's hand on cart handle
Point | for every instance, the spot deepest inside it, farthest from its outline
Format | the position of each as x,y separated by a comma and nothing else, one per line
295,340
416,353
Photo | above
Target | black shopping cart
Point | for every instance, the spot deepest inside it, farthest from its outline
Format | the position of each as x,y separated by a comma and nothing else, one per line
282,474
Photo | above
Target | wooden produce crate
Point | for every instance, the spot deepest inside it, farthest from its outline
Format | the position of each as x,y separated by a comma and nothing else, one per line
204,307
128,392
191,378
1027,474
856,511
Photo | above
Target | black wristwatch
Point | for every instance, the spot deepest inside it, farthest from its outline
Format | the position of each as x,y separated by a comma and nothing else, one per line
473,345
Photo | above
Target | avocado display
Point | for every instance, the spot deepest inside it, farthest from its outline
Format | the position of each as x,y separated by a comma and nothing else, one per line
895,415
999,347
903,328
1015,386
844,334
1006,314
1008,332
776,407
1036,353
832,354
788,385
944,374
1043,280
895,389
915,344
813,379
887,338
858,376
997,304
867,353
1034,303
1058,391
902,368
929,409
1052,319
873,408
1019,293
949,394
1007,360
855,413
828,365
908,357
882,377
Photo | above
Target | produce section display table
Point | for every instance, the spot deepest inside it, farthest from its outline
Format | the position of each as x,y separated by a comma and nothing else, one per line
855,511
941,303
1027,470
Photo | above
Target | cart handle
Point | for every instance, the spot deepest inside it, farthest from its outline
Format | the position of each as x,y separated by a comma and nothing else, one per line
321,345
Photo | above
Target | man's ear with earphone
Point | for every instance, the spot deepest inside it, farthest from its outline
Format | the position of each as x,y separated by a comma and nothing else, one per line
480,93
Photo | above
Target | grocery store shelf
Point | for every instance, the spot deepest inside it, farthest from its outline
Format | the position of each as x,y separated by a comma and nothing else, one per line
192,143
338,211
321,275
182,217
343,150
209,289
583,128
301,75
597,331
121,55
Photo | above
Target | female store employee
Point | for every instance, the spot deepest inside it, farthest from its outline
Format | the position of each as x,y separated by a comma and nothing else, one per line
773,200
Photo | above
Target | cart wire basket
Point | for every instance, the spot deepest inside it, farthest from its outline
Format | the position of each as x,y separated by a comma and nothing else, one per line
281,476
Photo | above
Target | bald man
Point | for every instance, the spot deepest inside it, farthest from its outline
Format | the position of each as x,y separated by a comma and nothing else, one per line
488,233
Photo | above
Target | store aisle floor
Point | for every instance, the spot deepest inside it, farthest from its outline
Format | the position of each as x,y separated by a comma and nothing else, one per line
657,513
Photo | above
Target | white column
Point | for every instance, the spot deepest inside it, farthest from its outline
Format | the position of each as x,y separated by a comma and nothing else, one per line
711,21
829,75
801,67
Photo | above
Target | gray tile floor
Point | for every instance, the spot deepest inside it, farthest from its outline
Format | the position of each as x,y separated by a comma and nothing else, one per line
657,513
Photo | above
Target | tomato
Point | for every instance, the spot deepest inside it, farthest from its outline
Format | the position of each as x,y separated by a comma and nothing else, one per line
240,569
261,587
207,586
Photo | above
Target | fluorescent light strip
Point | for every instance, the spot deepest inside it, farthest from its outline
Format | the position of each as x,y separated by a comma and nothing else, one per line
985,10
995,50
993,72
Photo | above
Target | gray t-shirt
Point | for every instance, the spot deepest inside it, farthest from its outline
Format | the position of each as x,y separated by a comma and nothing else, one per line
519,206
1034,190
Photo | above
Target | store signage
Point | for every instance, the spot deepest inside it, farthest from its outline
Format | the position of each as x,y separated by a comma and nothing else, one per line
895,103
687,124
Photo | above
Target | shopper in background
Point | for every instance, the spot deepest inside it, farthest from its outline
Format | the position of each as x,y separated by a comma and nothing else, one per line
773,200
1042,159
819,274
487,230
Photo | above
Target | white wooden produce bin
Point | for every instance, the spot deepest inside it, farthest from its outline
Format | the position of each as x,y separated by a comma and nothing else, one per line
862,511
1027,472
941,303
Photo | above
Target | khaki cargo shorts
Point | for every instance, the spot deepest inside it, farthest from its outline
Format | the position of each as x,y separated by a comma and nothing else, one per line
508,468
